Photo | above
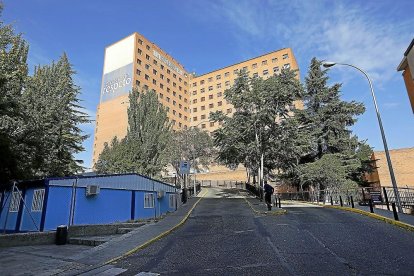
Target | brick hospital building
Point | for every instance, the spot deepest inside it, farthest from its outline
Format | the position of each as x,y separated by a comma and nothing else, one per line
135,61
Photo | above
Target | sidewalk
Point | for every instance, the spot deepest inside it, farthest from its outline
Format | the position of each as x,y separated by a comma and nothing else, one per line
408,219
77,259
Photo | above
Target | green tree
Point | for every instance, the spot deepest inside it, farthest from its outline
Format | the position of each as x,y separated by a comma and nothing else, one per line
144,149
14,138
258,123
192,145
52,101
324,124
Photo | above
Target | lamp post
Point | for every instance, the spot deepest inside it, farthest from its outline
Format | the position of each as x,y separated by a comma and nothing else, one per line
328,64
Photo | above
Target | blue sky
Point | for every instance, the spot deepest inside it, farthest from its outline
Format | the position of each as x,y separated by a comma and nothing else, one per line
206,35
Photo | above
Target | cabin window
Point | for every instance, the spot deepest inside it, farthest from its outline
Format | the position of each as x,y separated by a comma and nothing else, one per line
37,202
149,200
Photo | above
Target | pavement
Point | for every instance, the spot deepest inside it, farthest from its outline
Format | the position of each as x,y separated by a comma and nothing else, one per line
406,218
84,260
224,236
231,233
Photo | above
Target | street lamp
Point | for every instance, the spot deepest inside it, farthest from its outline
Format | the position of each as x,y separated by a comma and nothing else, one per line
328,64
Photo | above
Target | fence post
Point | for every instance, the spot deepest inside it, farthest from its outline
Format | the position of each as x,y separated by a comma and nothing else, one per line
394,210
386,198
331,201
352,202
371,208
340,200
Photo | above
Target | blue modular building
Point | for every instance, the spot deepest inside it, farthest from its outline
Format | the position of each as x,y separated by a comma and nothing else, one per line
80,200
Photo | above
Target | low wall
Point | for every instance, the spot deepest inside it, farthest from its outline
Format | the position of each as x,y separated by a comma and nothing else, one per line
32,238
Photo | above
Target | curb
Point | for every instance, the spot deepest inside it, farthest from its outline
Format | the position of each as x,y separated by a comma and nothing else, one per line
157,237
404,225
269,213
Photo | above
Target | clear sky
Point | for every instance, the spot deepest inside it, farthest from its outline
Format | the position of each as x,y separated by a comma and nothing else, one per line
206,35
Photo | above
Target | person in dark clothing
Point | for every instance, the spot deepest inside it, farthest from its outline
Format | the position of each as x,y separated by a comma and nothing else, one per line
269,190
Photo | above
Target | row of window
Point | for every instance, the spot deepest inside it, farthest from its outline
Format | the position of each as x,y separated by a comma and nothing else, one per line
37,201
161,96
276,70
154,81
210,97
155,62
203,107
245,68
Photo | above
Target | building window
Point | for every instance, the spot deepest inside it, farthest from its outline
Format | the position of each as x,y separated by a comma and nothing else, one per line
154,71
168,80
255,75
168,99
149,200
180,115
236,71
203,107
139,61
211,124
138,72
195,109
145,87
194,92
264,62
139,51
174,76
254,65
162,67
174,112
228,110
211,105
194,84
274,60
161,86
227,83
161,96
155,62
174,84
285,56
202,90
180,80
219,94
174,102
168,90
171,201
147,57
137,83
203,125
220,103
147,66
174,94
210,88
148,47
180,106
185,118
218,85
37,202
180,124
202,82
210,79
203,99
194,101
180,97
180,88
140,41
147,77
244,69
210,97
286,66
15,202
265,72
195,119
162,76
218,77
168,109
203,117
154,81
275,69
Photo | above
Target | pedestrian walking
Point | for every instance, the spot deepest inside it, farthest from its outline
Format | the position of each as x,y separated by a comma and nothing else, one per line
268,195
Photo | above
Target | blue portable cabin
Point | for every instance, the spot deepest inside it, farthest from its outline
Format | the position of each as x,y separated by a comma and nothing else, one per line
84,200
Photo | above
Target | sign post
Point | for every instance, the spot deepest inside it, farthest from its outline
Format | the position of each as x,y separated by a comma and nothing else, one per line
184,170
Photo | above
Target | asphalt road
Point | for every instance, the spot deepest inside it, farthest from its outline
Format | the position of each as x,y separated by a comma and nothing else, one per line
223,236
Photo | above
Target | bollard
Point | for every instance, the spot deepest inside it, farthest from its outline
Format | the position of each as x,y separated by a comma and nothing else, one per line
331,201
352,202
386,198
371,207
280,202
394,210
61,235
340,200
